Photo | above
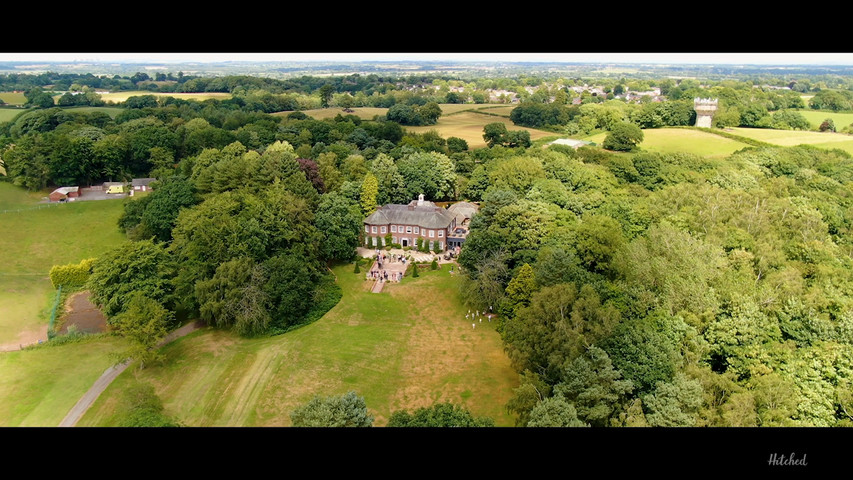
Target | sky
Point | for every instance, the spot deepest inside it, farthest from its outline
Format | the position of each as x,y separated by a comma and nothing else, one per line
756,58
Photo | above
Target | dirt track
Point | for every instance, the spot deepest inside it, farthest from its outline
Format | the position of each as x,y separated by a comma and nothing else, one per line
86,401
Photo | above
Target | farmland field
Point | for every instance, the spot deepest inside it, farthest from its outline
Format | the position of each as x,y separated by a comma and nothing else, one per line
816,117
34,240
111,111
7,114
469,126
789,138
38,386
13,98
669,140
407,347
365,113
122,96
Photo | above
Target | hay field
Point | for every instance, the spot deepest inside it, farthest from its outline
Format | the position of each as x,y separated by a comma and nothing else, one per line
407,347
7,114
122,96
364,113
469,126
13,98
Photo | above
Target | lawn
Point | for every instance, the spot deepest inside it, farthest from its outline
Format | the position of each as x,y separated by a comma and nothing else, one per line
407,347
34,240
670,140
38,386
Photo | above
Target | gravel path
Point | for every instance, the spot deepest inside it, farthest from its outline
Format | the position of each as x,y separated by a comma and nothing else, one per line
111,373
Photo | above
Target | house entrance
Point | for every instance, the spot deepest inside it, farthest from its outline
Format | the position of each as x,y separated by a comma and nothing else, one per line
405,242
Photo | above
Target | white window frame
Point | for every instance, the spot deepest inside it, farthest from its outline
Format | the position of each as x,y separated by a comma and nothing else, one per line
384,229
393,228
394,240
373,229
408,229
366,229
417,229
432,234
440,233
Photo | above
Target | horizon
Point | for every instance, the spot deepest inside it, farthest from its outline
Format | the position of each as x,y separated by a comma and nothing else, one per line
698,58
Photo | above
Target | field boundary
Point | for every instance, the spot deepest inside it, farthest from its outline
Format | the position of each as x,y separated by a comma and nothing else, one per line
39,207
730,136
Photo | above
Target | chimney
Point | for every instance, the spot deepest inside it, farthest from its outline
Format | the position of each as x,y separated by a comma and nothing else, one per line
420,199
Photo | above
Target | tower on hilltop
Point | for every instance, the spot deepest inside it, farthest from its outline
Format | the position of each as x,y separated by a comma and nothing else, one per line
705,108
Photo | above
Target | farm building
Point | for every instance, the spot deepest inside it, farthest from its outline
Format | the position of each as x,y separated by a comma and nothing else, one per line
406,223
142,184
64,193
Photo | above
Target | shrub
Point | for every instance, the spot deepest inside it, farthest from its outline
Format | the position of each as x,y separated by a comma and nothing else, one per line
369,242
415,270
437,247
434,264
71,274
357,270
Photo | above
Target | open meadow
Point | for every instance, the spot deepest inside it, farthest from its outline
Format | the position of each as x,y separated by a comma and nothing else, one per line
13,98
39,385
407,347
7,114
34,238
671,140
364,113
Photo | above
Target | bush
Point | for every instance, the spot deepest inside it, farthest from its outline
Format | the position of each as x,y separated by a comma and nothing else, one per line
434,264
357,270
436,247
347,410
71,274
415,270
369,242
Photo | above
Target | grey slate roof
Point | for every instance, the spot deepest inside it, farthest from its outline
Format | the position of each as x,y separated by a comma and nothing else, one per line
139,182
463,210
423,216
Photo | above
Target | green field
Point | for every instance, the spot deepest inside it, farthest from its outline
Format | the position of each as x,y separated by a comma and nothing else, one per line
407,347
38,386
789,138
670,140
111,111
816,117
7,114
13,98
35,239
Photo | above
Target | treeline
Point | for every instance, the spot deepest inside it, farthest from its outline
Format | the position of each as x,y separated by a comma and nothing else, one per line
669,290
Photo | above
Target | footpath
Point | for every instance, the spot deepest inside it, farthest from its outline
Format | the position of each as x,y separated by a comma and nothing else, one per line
110,374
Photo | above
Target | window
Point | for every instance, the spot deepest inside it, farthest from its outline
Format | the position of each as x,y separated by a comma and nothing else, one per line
431,233
384,229
417,229
366,229
440,233
373,229
394,240
408,229
393,228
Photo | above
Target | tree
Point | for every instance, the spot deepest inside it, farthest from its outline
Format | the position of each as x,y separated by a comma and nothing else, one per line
235,296
674,404
494,133
134,267
518,138
369,191
555,412
326,92
144,322
595,388
456,144
161,212
827,125
348,410
623,137
430,113
519,291
439,415
340,223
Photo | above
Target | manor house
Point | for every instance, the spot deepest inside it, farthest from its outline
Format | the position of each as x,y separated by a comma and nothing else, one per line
407,223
